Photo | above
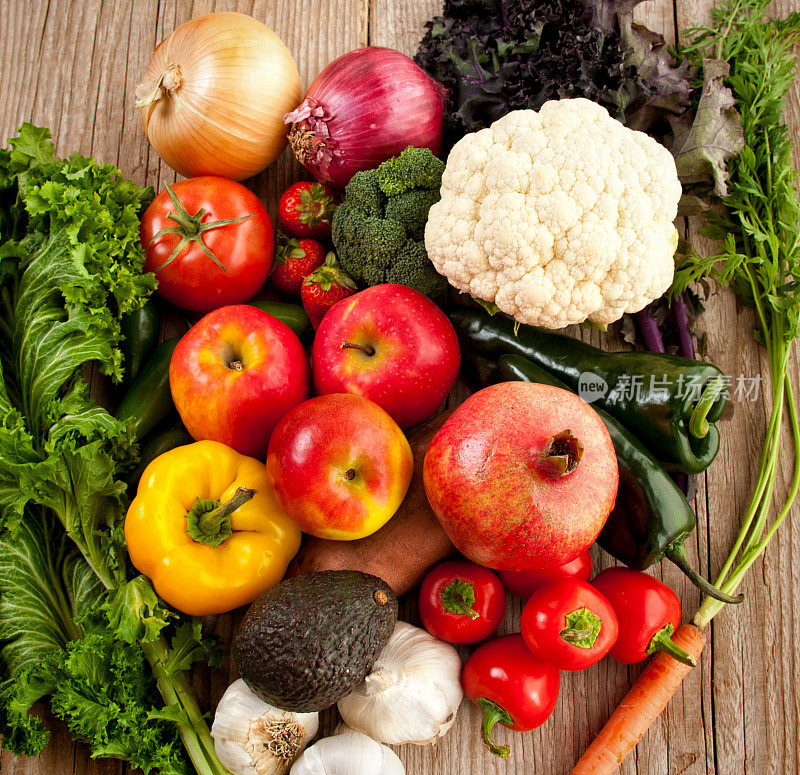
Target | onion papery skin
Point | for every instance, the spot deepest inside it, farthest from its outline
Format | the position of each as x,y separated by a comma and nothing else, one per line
235,81
363,108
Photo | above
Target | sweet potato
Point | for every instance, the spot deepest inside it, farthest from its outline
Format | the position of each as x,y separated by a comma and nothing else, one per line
403,550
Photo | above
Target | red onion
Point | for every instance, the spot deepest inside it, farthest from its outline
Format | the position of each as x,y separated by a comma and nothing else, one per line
363,108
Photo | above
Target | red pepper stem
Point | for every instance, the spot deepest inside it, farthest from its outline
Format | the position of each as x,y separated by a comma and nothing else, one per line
458,597
583,628
676,553
662,641
493,714
571,635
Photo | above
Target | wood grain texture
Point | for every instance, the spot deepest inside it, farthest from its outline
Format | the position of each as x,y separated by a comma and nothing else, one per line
73,66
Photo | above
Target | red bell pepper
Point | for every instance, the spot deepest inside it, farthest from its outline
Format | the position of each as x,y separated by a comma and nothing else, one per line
511,686
461,602
648,612
569,624
523,583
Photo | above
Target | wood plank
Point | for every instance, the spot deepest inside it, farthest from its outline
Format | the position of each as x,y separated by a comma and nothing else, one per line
73,66
754,645
109,49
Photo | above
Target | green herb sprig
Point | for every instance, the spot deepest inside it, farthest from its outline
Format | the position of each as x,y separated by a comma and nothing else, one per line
760,234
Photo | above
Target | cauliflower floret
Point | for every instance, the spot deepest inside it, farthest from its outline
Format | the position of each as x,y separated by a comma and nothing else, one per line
557,216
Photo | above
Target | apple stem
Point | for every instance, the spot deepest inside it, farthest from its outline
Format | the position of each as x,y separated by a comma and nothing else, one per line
350,474
236,365
363,347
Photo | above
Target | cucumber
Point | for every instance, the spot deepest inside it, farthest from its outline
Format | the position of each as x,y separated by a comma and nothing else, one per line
292,315
148,400
140,328
157,444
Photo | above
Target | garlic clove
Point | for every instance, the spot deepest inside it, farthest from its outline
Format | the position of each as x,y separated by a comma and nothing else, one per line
347,753
252,737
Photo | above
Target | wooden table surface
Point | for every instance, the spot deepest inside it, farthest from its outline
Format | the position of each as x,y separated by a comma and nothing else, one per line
73,66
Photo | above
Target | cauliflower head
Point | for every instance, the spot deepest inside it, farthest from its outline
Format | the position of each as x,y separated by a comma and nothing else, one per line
557,216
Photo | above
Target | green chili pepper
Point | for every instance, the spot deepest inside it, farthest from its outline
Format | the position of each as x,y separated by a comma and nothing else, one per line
292,315
651,518
670,403
148,400
140,328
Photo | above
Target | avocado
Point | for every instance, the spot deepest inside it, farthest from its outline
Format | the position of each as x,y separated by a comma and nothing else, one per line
309,641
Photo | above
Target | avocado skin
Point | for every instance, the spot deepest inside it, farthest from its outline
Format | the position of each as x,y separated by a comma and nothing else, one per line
308,642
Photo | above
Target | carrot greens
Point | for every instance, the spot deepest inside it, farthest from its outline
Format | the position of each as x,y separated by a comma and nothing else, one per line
760,234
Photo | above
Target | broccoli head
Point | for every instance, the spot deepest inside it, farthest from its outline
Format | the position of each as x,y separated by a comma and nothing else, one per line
378,230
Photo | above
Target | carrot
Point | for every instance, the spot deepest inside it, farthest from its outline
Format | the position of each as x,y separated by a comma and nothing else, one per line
403,550
641,706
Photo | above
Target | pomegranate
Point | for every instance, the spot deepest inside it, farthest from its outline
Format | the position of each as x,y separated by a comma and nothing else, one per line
522,476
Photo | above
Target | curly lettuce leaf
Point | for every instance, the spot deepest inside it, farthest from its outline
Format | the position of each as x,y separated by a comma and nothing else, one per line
106,694
72,625
705,142
75,475
495,57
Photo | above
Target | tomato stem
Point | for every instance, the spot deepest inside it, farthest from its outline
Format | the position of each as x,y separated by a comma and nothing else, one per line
493,714
662,641
191,228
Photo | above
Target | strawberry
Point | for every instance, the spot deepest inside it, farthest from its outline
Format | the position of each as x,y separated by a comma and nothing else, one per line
294,259
306,210
324,287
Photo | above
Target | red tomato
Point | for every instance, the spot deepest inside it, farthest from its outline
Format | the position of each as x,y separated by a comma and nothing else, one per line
511,686
461,602
523,583
648,612
218,261
569,624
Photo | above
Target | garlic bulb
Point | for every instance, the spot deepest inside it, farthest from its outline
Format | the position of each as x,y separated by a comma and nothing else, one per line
412,693
253,738
348,753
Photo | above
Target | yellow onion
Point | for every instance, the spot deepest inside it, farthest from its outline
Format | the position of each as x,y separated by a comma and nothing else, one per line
214,96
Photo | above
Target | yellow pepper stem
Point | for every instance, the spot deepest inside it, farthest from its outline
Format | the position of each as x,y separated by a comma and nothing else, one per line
209,523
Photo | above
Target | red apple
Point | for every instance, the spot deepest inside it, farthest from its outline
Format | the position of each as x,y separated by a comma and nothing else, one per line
339,466
234,374
391,344
522,476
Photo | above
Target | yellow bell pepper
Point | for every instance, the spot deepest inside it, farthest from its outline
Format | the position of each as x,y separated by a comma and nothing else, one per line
206,530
